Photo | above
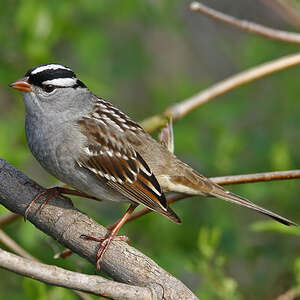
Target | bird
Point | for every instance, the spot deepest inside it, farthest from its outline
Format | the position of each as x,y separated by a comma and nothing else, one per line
95,148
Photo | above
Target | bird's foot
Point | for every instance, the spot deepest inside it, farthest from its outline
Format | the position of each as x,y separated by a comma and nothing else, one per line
112,235
104,244
49,193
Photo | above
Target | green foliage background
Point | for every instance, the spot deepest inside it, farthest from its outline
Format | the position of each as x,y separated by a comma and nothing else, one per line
144,56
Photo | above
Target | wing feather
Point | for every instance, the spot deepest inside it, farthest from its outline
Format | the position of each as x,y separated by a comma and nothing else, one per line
113,160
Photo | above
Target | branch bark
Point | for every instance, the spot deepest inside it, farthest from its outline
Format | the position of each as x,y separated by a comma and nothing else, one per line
280,35
180,109
66,224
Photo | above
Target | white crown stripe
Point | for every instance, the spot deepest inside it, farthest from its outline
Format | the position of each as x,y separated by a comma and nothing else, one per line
61,82
49,67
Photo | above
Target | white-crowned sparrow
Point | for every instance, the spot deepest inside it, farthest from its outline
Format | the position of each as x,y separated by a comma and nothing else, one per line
87,143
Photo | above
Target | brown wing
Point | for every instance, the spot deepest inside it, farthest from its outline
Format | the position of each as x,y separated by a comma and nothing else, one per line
111,158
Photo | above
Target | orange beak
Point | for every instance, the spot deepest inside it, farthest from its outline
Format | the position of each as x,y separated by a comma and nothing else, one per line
21,85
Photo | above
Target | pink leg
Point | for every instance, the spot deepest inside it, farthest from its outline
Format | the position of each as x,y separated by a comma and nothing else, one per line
105,242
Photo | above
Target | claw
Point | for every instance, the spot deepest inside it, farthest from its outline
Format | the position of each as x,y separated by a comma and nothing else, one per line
104,244
52,192
112,235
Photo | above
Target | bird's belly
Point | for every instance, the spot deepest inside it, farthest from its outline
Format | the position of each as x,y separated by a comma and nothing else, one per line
58,160
85,181
81,179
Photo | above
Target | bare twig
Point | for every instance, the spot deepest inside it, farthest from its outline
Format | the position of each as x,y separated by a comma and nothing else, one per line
226,180
291,294
179,110
64,223
286,10
251,27
12,245
64,254
57,276
8,218
257,177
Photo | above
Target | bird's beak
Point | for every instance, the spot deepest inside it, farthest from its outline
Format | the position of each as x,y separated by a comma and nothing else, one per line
21,85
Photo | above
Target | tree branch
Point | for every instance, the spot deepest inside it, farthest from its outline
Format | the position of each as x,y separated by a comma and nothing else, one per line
66,224
180,109
291,294
12,245
283,36
227,180
256,177
286,10
6,219
57,276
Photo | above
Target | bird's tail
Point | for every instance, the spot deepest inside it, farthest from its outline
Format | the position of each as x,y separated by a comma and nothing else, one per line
228,196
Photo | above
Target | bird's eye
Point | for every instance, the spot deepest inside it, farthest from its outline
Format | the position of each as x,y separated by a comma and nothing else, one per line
48,88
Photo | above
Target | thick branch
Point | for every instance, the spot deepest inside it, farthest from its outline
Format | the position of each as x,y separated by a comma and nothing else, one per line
283,36
57,276
180,109
66,224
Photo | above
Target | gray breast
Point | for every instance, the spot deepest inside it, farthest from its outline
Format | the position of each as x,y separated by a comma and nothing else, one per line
56,148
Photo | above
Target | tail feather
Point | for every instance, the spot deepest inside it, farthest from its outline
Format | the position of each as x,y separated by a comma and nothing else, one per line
228,196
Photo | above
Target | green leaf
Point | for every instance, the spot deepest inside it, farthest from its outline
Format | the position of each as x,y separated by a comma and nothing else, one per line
273,226
34,289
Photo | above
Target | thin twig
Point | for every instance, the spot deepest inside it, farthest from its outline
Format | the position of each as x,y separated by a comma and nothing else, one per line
64,254
8,218
291,294
60,277
226,180
286,10
256,177
280,35
179,110
13,246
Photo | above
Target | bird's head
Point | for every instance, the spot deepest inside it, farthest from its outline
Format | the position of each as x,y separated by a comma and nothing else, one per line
51,88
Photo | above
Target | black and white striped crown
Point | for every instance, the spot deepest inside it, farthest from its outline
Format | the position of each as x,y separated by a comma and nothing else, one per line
53,74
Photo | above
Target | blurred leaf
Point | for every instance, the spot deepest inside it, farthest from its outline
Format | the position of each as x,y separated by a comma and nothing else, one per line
208,241
56,293
34,289
273,226
216,284
280,156
297,270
